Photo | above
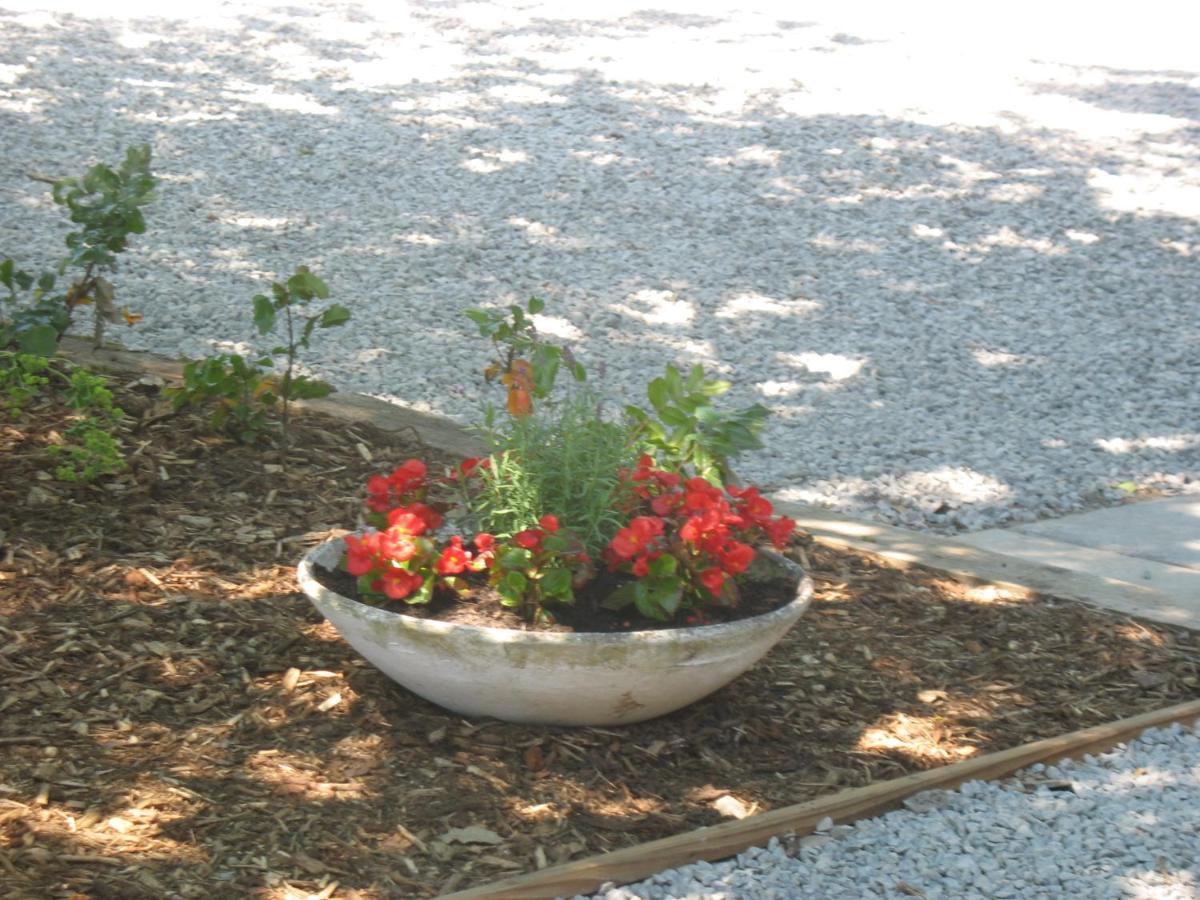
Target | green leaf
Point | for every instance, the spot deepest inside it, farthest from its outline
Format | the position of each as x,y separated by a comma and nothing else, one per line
306,389
334,316
545,369
513,584
264,314
676,418
650,609
665,565
556,582
674,383
536,305
424,594
659,394
481,319
515,558
41,340
621,597
6,273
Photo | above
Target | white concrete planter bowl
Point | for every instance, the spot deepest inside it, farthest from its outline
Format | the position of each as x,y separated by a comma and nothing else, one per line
551,678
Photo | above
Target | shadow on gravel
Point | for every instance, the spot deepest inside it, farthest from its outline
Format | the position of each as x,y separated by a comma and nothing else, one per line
949,323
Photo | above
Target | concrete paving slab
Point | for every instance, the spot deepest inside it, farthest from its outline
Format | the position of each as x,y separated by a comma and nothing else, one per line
1166,530
1143,587
966,557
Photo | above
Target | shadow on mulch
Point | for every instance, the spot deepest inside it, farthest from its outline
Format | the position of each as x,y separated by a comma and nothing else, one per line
176,719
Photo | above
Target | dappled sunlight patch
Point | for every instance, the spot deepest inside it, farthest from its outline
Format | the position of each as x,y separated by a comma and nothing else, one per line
851,245
755,154
270,97
596,157
300,775
657,308
1167,443
929,739
753,303
983,594
268,223
418,237
484,161
541,233
993,358
835,366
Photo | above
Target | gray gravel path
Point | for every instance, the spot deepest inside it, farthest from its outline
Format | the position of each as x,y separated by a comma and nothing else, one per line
1122,824
958,260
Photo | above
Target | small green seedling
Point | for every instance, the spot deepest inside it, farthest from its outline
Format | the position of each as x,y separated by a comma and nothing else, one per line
246,390
90,449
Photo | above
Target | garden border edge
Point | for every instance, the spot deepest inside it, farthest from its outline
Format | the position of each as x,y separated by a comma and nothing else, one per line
722,841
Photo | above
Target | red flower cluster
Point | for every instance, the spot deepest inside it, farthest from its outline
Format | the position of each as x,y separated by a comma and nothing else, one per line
401,560
403,485
702,525
532,538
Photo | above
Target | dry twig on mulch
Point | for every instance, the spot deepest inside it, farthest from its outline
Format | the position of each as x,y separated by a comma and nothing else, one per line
178,721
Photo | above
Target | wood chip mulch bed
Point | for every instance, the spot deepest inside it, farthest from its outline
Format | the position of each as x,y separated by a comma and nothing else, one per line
176,720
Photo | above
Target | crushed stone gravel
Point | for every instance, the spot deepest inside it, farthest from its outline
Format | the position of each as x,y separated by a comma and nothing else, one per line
966,288
1121,824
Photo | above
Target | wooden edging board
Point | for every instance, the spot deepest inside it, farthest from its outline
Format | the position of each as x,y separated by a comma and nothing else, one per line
730,838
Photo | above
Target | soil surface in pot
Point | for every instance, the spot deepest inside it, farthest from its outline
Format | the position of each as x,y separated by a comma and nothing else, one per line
482,605
176,718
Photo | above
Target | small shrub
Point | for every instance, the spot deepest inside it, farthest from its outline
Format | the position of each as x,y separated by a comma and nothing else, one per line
246,391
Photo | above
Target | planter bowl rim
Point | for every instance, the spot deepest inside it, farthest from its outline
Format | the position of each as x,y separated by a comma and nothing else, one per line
328,553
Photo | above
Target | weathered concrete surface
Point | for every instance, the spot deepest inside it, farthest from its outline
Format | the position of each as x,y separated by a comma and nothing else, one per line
1166,530
982,557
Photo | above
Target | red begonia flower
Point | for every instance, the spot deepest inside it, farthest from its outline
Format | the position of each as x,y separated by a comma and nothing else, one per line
530,538
736,558
398,583
713,580
549,522
454,559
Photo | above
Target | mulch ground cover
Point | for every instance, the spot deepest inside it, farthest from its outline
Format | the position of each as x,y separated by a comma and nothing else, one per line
176,720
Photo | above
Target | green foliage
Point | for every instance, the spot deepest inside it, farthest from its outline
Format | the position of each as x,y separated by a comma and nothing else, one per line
245,391
32,317
657,595
566,459
686,430
22,378
241,391
529,578
90,448
514,336
106,204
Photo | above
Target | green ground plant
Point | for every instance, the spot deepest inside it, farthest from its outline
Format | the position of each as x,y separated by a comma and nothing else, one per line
23,377
90,448
106,205
246,392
